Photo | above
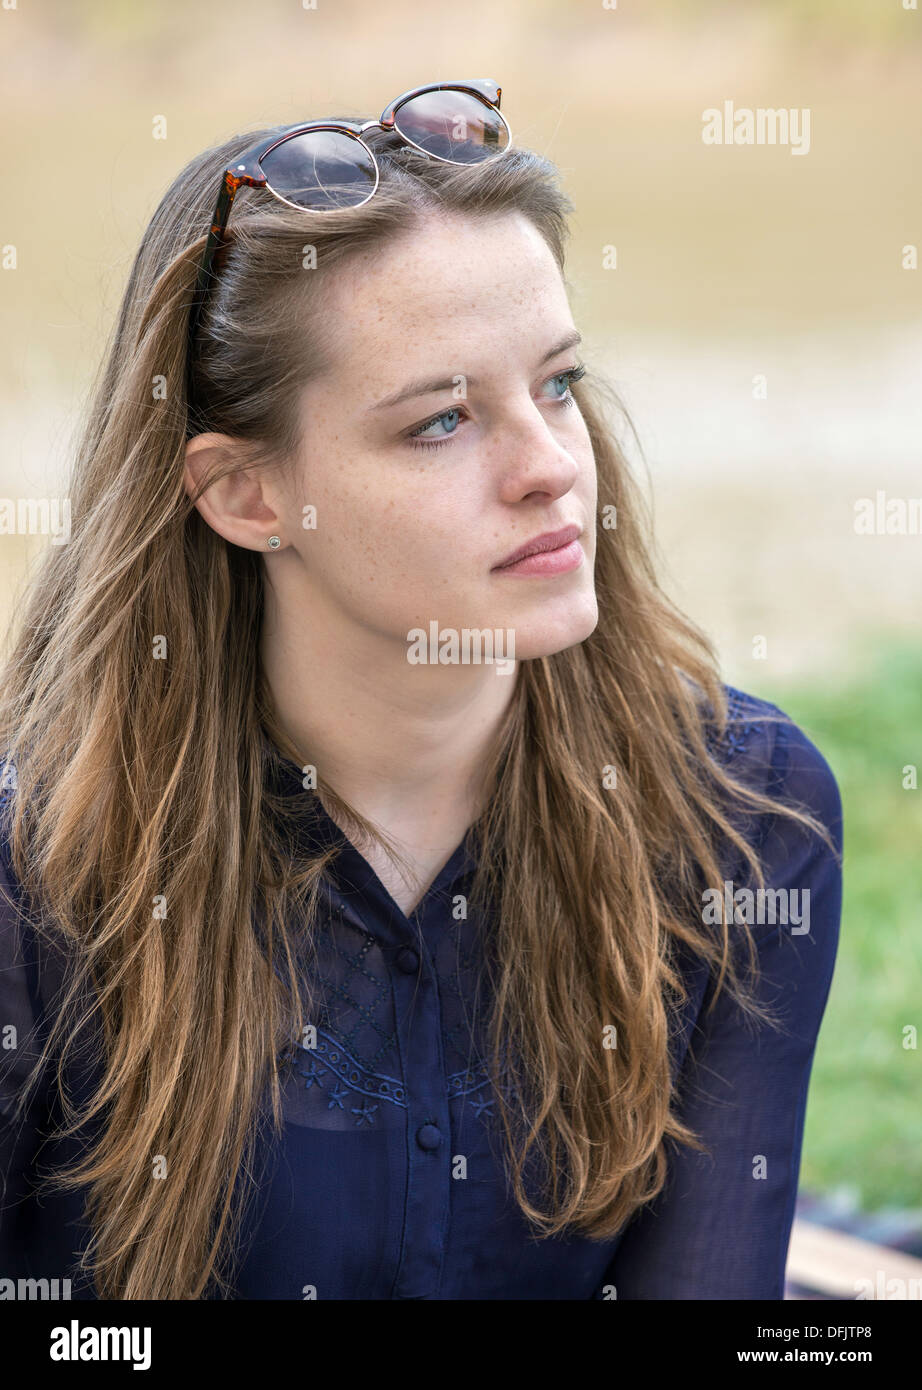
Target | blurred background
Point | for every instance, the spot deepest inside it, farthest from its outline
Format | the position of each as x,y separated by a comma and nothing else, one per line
761,324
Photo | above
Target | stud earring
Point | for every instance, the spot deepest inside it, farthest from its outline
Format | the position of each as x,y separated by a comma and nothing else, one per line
274,542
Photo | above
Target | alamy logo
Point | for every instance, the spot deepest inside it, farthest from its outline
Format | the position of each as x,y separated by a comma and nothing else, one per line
36,516
764,125
881,515
29,1289
883,1288
789,906
466,646
76,1343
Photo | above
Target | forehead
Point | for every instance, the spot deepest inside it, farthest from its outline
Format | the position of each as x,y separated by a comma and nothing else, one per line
452,284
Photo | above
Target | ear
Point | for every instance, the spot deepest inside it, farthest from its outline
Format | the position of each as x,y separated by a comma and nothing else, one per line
240,504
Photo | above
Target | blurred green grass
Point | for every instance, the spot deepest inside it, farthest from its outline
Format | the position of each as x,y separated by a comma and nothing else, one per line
864,1116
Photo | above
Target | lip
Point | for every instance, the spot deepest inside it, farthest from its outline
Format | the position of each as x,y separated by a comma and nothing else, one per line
548,541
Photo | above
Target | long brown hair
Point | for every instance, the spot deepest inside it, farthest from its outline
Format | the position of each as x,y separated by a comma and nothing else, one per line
121,760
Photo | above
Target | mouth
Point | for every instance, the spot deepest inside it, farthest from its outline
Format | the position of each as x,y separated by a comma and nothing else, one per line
554,552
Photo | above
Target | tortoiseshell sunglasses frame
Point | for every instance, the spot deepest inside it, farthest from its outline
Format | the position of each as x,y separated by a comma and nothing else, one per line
247,169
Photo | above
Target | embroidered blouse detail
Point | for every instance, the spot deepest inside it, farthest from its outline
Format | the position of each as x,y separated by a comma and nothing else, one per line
388,1180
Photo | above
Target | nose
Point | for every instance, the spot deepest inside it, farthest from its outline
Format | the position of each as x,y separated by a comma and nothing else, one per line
534,459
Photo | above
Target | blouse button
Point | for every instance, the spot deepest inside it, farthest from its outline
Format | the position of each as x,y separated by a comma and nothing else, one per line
408,961
429,1137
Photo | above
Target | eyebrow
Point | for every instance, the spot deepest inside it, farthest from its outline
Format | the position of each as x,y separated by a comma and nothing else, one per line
429,385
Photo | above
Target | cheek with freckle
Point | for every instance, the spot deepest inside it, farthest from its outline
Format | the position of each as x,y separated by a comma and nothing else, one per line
397,550
384,554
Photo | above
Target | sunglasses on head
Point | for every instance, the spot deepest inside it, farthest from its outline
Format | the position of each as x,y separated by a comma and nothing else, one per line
326,165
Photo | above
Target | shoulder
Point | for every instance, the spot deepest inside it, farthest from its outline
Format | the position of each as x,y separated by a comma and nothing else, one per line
19,939
794,914
764,747
20,969
8,882
34,957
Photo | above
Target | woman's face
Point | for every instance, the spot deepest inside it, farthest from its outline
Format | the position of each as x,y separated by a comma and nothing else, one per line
419,499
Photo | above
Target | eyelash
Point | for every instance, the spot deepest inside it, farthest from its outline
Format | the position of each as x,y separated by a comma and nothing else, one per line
574,373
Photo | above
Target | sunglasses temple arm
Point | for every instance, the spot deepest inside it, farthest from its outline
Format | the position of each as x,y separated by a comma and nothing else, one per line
215,237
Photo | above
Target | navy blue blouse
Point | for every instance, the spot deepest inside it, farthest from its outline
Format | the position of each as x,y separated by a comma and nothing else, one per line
365,1195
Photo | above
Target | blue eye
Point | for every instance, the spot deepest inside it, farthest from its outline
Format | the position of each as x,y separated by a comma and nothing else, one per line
566,378
416,434
563,398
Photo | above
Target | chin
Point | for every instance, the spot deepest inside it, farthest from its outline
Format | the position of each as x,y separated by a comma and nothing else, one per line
555,627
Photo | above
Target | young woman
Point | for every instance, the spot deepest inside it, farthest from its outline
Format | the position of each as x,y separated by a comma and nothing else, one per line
326,970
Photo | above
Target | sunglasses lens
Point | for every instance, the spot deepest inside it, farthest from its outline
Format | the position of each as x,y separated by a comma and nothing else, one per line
320,170
453,125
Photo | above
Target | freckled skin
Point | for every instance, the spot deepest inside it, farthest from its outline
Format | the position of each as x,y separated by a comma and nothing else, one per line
407,535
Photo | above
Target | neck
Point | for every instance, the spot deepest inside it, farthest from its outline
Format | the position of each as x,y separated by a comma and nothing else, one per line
405,745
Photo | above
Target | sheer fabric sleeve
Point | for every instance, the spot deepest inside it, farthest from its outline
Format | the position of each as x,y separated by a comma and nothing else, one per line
720,1229
20,1046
